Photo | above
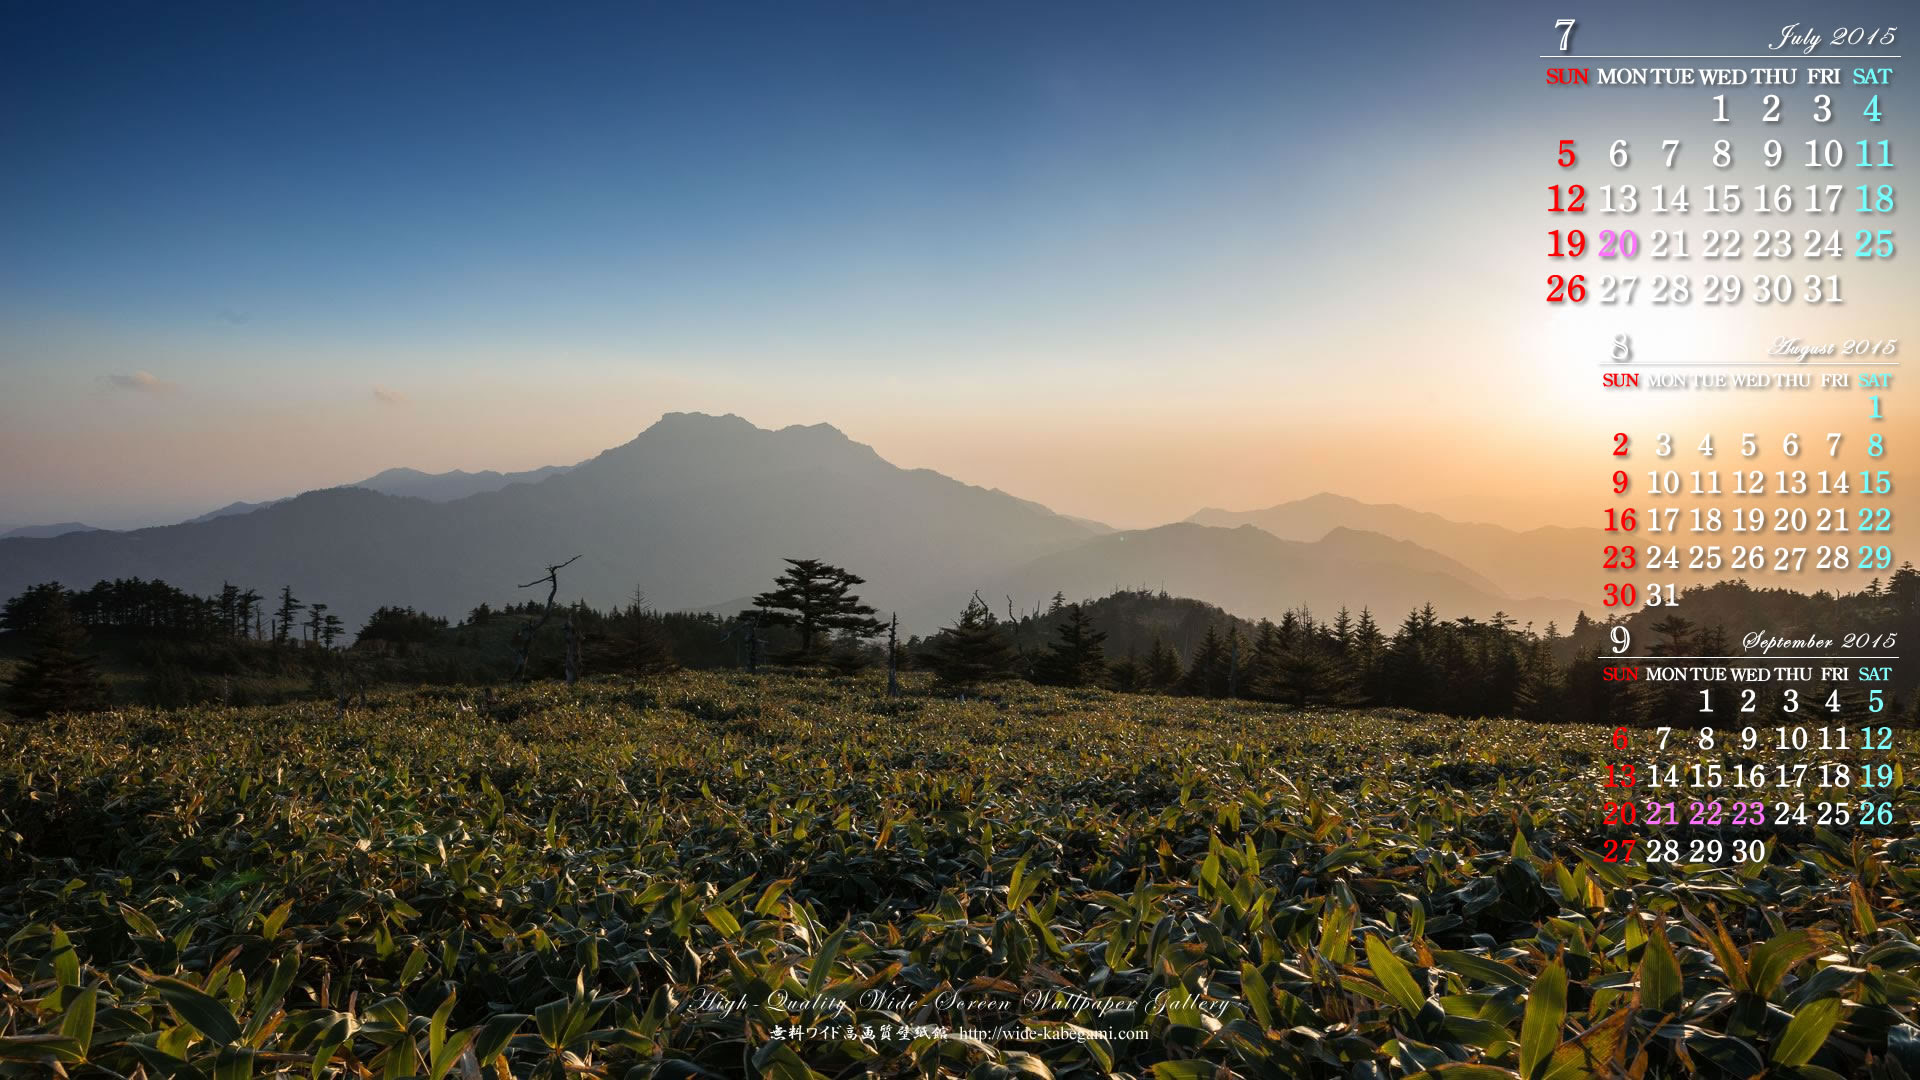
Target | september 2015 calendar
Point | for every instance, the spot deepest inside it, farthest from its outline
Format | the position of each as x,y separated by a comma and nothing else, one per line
956,540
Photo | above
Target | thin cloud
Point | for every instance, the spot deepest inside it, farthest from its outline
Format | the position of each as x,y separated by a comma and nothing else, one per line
144,382
389,396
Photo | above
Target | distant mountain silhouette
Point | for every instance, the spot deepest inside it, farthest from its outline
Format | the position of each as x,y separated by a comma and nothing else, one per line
1537,562
433,487
232,509
699,511
1253,573
694,510
43,532
447,486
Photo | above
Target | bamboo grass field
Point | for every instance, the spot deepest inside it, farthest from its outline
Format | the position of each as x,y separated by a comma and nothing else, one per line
731,875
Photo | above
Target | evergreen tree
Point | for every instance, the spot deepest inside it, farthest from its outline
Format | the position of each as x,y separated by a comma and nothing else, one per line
1162,671
640,645
1128,675
1076,658
816,598
58,676
1207,674
283,615
972,650
1304,675
27,612
1369,645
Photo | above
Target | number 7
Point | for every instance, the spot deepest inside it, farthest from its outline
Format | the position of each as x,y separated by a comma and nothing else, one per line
1672,147
1565,26
1833,443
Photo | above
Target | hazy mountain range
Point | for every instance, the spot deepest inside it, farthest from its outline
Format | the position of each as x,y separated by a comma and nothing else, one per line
699,510
45,532
433,487
1534,562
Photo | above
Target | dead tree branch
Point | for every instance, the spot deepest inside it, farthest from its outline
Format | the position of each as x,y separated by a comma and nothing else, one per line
552,578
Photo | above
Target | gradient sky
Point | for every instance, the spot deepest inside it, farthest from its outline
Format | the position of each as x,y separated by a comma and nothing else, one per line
1127,259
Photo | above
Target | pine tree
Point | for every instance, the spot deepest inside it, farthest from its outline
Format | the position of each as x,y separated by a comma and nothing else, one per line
1076,658
58,676
1128,676
816,598
972,650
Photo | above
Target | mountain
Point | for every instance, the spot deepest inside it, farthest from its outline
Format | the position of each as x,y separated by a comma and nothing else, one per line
232,509
447,486
694,510
45,532
433,487
699,511
1551,561
1252,573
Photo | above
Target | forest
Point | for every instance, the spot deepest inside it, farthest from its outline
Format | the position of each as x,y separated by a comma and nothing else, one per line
133,640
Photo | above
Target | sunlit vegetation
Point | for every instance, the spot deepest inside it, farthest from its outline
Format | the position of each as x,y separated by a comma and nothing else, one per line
559,882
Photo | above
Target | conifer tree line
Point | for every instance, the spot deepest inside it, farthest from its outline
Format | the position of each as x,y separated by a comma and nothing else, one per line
1134,641
135,607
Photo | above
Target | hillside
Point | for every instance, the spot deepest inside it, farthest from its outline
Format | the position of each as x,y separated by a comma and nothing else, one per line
1536,562
1253,573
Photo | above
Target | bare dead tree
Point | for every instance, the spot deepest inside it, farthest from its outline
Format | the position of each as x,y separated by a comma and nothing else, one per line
893,656
552,578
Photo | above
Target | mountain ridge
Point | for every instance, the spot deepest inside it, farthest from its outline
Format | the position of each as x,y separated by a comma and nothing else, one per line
696,509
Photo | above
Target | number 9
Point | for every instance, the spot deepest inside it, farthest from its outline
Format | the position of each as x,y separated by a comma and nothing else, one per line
1622,638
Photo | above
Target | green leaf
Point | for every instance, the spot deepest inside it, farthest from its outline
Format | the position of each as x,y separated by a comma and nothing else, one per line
1486,970
1394,976
416,963
722,920
66,962
1806,1032
449,1052
270,924
1546,1012
138,922
77,1022
39,1048
1183,1070
495,1034
268,1004
437,1027
1660,987
199,1011
822,967
1773,958
1592,1053
1253,987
